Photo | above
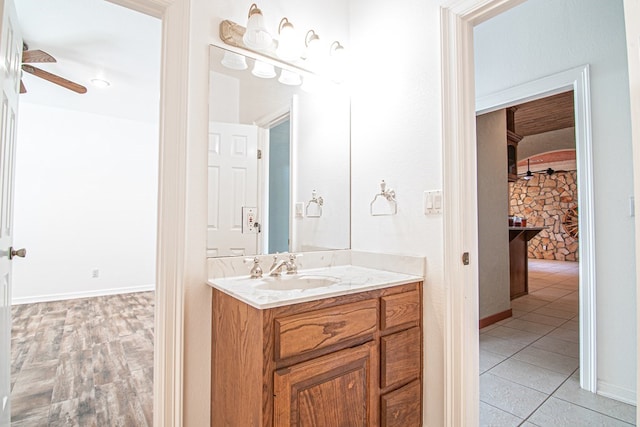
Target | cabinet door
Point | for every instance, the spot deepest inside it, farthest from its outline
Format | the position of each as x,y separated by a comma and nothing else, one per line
335,390
402,407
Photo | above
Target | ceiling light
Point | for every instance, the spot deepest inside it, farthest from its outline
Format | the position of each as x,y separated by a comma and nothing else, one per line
234,61
287,48
256,35
263,70
100,83
289,78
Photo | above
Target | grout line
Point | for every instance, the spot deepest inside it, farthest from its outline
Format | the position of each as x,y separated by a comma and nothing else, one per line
548,397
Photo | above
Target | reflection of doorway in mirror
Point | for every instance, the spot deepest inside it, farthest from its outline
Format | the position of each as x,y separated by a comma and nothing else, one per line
279,186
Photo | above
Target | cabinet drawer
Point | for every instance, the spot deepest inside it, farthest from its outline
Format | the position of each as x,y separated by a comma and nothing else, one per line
400,309
402,407
400,357
334,327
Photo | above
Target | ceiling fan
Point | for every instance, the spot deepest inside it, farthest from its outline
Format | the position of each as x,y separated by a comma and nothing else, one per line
39,56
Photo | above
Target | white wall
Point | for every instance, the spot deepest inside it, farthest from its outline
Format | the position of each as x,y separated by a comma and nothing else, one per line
86,198
396,136
493,209
321,158
543,37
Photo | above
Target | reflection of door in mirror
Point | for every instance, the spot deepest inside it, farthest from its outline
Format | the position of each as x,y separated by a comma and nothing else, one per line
233,185
279,187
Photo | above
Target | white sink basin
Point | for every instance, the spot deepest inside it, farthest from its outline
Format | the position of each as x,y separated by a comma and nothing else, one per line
295,282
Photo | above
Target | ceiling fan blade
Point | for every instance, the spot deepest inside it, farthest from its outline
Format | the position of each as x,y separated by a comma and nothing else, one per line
36,56
22,88
68,84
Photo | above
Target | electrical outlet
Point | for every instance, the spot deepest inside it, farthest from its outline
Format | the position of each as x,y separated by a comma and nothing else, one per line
95,273
249,220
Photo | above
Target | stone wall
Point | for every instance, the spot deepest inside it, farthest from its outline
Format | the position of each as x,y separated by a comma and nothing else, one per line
543,201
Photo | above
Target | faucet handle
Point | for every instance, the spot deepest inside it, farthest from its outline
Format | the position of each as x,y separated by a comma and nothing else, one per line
292,268
256,270
275,262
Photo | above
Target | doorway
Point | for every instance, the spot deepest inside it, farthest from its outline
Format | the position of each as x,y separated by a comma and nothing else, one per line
279,177
457,38
114,161
541,337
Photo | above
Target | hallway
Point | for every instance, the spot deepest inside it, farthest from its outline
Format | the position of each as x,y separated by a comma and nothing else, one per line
529,363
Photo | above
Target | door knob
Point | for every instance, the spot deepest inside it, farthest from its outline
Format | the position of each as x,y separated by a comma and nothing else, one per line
19,252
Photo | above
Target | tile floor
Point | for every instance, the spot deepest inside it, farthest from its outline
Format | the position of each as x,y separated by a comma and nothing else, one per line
84,362
529,363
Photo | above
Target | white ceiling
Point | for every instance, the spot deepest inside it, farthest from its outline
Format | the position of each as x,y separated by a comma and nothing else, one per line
94,39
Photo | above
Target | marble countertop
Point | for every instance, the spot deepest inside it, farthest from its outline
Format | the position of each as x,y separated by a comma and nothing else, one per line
349,279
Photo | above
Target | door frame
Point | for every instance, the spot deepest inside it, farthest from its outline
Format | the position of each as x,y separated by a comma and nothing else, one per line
576,79
172,266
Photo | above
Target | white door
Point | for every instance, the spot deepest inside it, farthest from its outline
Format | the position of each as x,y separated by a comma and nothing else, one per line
233,184
10,59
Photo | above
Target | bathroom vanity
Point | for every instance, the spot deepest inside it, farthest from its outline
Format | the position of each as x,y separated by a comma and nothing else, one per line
339,346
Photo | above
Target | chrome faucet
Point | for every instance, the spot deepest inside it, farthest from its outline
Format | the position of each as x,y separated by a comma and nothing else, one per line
278,266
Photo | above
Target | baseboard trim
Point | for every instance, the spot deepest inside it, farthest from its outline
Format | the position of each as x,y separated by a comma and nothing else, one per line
84,294
615,392
490,320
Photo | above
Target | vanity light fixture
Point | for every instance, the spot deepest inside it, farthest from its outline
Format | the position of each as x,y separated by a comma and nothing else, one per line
263,70
234,61
101,83
256,35
287,49
529,174
285,53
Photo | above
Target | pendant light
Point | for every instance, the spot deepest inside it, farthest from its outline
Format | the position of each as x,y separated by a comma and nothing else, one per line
529,175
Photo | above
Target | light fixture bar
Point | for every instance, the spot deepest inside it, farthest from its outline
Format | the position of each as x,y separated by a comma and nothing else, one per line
231,34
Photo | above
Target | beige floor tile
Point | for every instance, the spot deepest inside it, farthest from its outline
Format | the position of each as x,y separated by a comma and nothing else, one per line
558,346
500,346
524,325
490,416
515,335
570,391
529,375
543,319
562,314
488,360
549,360
556,412
565,334
508,396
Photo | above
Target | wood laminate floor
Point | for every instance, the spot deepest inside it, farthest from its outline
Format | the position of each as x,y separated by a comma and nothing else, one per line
83,362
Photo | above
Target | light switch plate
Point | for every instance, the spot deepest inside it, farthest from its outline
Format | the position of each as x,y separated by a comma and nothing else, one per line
249,219
432,201
299,210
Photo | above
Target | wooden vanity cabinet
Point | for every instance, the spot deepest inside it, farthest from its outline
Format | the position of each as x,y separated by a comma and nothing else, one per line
352,360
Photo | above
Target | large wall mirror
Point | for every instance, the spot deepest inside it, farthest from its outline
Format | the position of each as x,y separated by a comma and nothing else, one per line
279,162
